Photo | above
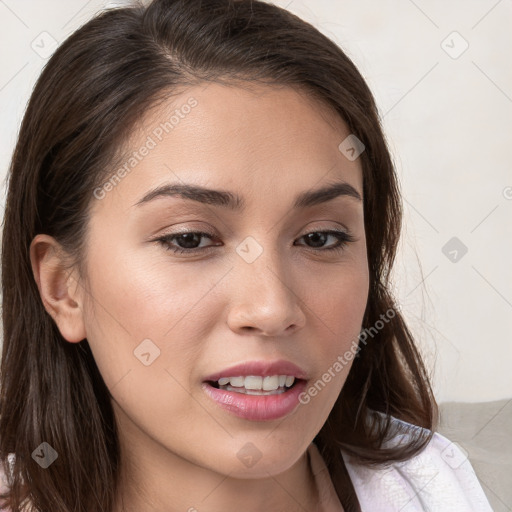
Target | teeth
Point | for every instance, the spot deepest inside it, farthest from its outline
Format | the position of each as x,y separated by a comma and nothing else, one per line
289,381
237,382
244,391
271,383
252,382
257,383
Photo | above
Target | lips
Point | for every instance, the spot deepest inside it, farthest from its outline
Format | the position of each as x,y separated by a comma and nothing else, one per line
244,403
257,408
260,368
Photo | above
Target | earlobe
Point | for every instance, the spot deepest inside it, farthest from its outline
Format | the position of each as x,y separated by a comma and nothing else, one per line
59,290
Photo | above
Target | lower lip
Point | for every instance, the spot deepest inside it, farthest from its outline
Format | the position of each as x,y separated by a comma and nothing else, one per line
257,407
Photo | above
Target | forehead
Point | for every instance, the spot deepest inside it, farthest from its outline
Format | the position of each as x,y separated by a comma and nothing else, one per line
258,140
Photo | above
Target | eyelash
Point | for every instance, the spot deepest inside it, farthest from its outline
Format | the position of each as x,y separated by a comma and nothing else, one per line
344,238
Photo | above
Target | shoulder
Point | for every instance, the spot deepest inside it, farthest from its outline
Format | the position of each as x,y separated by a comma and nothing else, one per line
3,476
4,487
439,479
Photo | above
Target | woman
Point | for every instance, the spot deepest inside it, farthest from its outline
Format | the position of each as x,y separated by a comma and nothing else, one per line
201,219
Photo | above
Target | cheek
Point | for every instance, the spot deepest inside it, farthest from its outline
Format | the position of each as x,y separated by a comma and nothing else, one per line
144,340
150,311
143,297
336,303
338,294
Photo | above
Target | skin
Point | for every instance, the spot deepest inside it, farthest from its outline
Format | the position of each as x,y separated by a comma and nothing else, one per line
212,310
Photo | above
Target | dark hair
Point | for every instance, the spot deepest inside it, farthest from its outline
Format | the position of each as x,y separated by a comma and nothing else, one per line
93,90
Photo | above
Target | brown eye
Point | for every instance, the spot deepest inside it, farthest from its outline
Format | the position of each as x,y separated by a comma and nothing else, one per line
187,241
317,239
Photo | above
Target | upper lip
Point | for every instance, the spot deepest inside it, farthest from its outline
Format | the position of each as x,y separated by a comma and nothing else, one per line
260,368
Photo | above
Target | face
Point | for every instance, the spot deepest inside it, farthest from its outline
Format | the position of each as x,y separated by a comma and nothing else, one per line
182,287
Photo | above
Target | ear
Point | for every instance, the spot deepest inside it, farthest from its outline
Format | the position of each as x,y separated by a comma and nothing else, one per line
60,292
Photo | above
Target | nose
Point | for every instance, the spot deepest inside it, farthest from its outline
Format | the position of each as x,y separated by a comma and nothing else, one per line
264,300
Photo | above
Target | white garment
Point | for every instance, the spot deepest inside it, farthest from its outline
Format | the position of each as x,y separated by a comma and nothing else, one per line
439,479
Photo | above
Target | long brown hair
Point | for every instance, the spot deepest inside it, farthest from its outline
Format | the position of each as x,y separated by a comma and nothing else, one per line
84,105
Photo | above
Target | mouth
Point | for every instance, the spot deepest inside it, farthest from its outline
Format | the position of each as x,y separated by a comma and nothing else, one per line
256,404
256,385
257,390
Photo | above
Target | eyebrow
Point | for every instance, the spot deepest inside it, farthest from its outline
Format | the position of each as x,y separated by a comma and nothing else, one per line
234,202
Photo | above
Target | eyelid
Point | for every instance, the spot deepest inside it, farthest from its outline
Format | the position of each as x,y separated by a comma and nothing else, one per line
212,235
344,237
211,232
